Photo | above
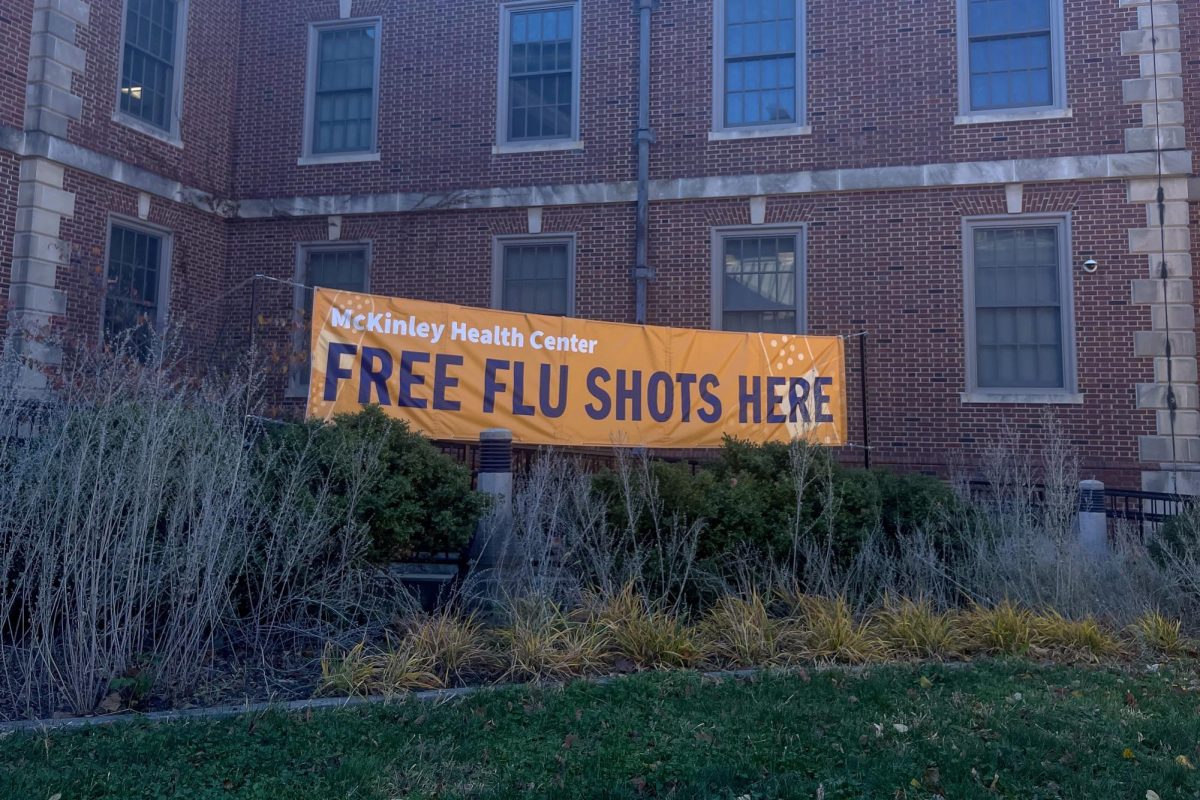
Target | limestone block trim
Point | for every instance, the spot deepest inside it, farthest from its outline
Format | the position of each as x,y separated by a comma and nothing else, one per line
54,59
1174,450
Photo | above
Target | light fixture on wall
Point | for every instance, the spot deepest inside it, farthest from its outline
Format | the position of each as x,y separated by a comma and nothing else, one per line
1091,265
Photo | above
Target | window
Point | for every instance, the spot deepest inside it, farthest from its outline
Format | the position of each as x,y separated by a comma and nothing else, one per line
759,70
341,266
758,280
539,73
535,275
152,63
343,95
136,285
1019,322
1011,55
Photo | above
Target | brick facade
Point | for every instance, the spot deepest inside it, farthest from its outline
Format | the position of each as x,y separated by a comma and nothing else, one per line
884,248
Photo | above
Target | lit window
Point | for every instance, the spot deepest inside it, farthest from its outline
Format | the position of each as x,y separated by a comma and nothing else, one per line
151,66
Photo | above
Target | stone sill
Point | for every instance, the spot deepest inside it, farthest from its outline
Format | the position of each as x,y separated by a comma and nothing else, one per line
135,124
511,148
736,134
1015,115
1023,398
337,158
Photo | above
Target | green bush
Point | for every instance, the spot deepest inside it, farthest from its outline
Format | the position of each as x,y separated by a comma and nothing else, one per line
416,500
747,498
1178,540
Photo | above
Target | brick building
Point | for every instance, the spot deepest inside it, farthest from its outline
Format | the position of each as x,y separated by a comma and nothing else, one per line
973,183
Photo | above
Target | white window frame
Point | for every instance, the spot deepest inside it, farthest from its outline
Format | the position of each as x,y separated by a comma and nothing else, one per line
302,333
500,243
721,131
1068,393
173,135
717,267
165,259
307,156
572,142
1056,109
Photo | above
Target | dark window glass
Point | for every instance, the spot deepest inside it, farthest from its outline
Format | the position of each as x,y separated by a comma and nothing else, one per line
759,284
541,76
760,62
344,104
1018,308
131,301
344,269
536,278
148,62
1010,49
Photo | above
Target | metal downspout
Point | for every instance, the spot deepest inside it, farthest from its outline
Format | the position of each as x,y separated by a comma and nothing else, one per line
641,269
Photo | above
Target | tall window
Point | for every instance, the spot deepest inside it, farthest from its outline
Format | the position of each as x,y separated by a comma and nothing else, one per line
343,94
344,267
539,82
151,62
136,283
758,281
1011,54
1019,294
759,63
535,276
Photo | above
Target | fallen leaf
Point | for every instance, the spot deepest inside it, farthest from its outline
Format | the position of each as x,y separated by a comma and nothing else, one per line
1152,795
111,704
900,728
1127,753
1182,761
569,740
1130,700
56,796
925,683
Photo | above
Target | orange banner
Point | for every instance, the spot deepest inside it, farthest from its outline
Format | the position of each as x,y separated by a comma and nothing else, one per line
453,371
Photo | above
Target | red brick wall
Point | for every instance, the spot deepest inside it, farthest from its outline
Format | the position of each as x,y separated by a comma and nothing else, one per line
902,250
16,21
882,84
198,264
1189,34
9,178
209,89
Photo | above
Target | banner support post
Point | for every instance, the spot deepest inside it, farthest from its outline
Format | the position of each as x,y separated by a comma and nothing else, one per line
862,363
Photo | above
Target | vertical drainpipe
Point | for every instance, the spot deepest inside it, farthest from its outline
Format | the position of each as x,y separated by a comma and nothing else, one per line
641,269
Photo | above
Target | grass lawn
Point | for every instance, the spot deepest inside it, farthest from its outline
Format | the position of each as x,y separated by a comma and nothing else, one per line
995,729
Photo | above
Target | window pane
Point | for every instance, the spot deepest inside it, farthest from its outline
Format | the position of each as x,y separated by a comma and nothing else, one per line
148,61
759,286
760,62
345,270
536,278
541,78
1018,308
1010,50
131,298
344,106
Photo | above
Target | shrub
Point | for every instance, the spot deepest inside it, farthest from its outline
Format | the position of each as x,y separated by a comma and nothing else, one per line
1159,635
914,628
1085,637
415,499
739,632
769,496
542,643
456,646
829,632
1006,629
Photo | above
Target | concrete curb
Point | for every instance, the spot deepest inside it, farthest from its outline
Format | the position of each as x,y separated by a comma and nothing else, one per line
227,711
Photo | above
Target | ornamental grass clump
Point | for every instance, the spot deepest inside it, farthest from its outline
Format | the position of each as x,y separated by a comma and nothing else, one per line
543,643
828,631
740,632
1005,629
913,628
1085,638
456,645
1159,635
360,672
650,638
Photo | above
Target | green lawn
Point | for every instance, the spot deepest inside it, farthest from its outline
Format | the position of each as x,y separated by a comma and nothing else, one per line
990,730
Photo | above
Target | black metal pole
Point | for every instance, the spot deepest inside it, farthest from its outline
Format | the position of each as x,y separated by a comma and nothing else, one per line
862,363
